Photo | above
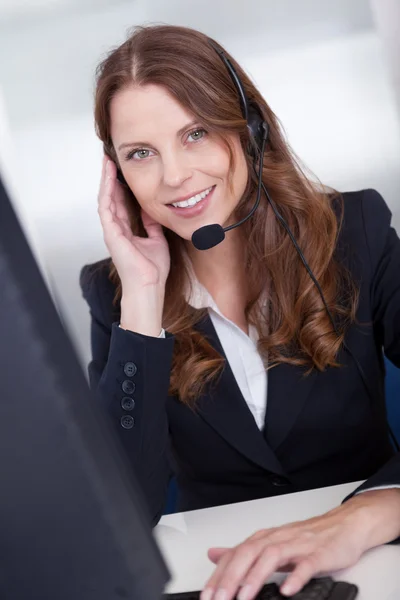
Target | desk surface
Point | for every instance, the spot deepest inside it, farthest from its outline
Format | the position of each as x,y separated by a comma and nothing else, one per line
184,539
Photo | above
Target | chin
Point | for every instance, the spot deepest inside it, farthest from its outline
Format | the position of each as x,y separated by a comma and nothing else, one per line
184,235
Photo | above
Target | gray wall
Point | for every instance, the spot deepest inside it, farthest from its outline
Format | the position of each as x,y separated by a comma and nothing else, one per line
387,18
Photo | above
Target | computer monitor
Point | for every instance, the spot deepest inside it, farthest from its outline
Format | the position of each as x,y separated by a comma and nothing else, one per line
73,524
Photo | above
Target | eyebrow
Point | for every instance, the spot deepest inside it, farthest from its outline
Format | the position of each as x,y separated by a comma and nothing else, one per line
180,132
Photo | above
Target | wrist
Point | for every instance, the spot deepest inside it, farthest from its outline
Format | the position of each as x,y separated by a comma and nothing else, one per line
142,311
376,514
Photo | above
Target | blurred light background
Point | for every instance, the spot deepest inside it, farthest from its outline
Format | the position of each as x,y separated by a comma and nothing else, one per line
329,69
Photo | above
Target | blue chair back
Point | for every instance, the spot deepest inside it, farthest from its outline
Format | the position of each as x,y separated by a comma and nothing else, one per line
170,506
392,385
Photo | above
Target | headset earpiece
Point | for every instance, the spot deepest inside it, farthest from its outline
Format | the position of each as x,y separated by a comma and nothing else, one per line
256,125
257,128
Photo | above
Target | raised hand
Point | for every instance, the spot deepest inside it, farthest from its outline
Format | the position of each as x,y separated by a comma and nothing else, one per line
142,263
139,261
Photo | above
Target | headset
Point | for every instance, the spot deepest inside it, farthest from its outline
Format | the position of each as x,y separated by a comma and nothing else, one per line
258,132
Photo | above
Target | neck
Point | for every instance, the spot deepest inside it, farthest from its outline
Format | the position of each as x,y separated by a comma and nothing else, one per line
222,265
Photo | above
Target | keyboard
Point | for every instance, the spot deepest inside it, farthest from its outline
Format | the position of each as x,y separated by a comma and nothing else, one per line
323,588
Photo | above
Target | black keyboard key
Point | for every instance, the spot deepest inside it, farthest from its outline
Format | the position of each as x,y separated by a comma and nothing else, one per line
323,588
316,589
344,591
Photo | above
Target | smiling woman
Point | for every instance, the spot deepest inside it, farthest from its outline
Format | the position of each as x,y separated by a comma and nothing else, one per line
231,368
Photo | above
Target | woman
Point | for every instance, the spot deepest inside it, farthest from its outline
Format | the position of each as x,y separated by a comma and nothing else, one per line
225,366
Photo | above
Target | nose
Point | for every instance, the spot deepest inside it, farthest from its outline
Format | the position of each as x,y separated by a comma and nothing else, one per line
176,170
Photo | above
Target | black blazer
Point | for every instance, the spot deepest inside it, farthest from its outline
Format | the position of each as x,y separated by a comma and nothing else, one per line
320,430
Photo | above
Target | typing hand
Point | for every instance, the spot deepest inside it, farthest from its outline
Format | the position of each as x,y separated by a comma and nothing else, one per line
309,548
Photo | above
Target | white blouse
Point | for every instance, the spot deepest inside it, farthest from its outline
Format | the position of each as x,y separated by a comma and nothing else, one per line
241,352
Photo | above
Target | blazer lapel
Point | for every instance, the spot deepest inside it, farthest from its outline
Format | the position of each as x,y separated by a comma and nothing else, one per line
288,390
227,412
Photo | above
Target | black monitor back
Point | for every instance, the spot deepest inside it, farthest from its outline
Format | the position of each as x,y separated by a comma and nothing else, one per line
73,525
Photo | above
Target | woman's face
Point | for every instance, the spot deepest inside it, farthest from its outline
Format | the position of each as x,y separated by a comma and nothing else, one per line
167,158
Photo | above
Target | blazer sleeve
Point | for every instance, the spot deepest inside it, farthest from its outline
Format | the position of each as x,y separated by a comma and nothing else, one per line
384,266
129,374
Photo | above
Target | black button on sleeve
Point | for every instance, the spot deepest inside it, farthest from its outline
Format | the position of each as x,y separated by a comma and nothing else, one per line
127,403
130,369
128,386
127,422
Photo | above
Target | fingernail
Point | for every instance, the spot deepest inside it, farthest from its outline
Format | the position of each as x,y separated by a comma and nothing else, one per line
244,593
287,589
221,594
207,594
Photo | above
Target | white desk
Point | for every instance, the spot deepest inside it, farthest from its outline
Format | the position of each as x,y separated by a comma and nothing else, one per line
184,539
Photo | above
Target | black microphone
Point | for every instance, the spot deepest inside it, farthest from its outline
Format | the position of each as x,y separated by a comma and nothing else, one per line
208,236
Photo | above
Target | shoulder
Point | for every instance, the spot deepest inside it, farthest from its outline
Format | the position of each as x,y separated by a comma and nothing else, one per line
365,207
365,224
97,288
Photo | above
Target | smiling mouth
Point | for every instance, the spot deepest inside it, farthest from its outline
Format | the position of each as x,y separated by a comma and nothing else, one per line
196,208
193,200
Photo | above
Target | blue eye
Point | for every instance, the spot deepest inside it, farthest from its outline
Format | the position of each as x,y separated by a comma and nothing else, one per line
132,153
196,131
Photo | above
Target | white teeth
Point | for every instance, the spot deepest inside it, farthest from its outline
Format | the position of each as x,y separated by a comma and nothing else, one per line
193,200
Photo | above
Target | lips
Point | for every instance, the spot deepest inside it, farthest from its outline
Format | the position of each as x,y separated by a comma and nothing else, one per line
196,209
185,198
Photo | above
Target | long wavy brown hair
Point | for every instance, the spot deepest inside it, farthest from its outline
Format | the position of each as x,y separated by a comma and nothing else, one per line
293,324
